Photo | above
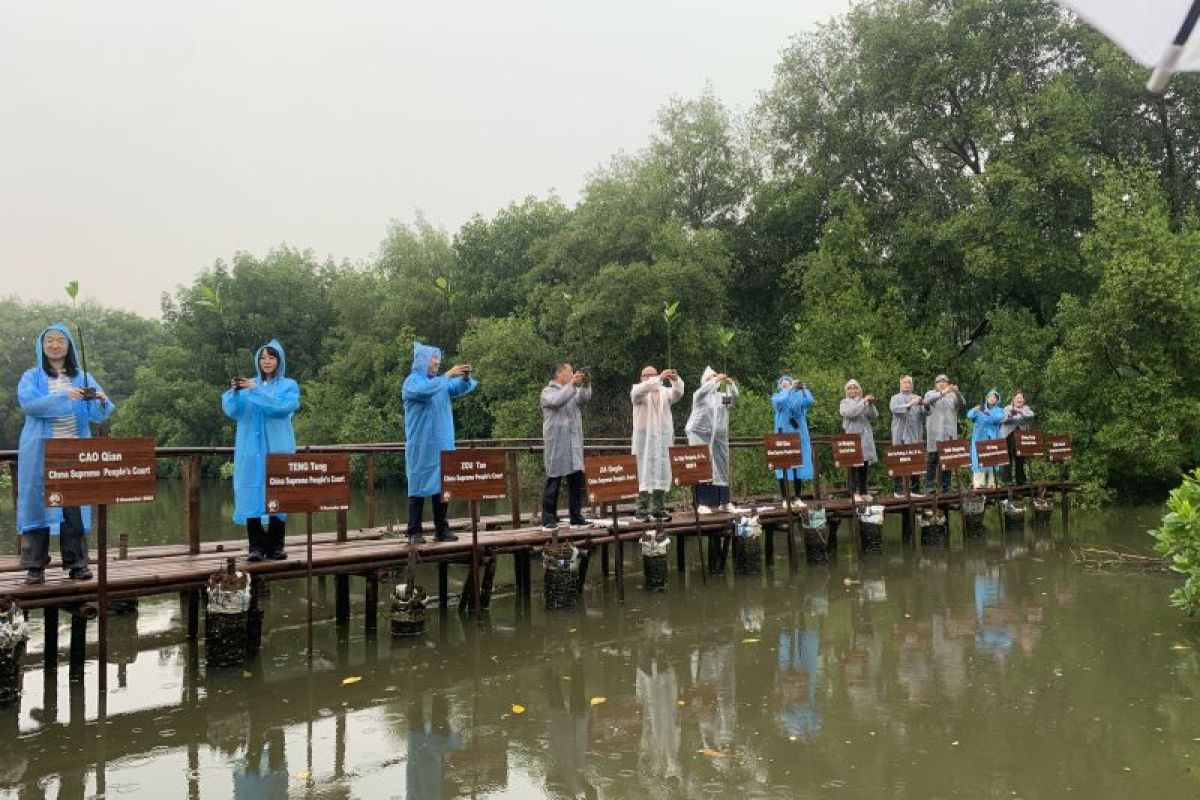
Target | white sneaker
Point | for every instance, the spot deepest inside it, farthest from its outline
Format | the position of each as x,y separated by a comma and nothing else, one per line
898,495
799,504
917,494
703,510
587,523
548,527
858,498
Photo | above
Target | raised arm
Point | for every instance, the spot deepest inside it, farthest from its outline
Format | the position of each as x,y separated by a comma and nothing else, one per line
583,394
285,400
40,404
642,389
419,391
459,386
558,396
853,408
676,390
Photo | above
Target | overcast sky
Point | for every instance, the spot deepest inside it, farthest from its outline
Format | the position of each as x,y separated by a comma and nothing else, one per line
140,140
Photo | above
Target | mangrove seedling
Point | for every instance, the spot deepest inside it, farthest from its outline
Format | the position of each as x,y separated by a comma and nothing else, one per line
89,391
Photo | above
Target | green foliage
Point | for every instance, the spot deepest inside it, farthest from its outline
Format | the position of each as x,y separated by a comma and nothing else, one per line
1179,540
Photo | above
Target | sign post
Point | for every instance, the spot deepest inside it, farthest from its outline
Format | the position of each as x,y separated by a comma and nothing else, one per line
847,454
692,465
1060,449
783,453
302,483
474,475
100,472
612,479
904,461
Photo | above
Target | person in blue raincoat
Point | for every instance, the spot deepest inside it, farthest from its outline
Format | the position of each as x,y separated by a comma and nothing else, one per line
428,430
51,396
987,417
791,402
263,408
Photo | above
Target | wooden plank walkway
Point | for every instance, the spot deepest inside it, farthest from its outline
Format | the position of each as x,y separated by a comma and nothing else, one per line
161,569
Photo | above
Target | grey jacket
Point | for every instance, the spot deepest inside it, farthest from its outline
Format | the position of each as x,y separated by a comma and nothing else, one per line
941,417
562,427
856,418
1015,418
906,422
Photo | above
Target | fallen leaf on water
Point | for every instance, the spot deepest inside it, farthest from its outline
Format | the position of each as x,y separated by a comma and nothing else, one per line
351,679
1180,646
517,708
708,751
304,775
751,640
598,700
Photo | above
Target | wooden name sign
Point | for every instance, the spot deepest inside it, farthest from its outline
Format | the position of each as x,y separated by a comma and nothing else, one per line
102,471
954,454
1059,448
783,450
847,450
905,460
992,452
473,475
300,482
1029,443
690,464
610,477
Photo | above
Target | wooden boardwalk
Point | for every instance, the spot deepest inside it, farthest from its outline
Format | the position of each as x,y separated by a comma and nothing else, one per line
161,569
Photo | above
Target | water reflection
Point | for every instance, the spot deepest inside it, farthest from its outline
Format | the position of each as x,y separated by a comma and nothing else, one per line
914,674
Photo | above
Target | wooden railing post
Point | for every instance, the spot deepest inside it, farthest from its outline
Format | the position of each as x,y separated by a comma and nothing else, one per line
191,504
514,486
370,490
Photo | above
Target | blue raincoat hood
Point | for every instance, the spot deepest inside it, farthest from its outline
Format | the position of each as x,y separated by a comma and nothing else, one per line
782,378
62,328
987,426
990,392
41,408
422,353
281,371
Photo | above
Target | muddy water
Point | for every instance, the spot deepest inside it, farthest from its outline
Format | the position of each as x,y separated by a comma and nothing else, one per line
987,669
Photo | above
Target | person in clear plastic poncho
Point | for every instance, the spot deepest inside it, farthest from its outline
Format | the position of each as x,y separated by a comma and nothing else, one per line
653,434
708,425
562,403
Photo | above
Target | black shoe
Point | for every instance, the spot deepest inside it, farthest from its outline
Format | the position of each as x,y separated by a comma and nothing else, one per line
641,516
80,574
35,576
278,555
446,536
662,516
416,538
254,556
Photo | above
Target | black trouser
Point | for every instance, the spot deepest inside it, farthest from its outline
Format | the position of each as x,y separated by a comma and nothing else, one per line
266,542
711,495
931,466
858,479
72,542
416,510
914,484
1017,463
795,487
574,498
